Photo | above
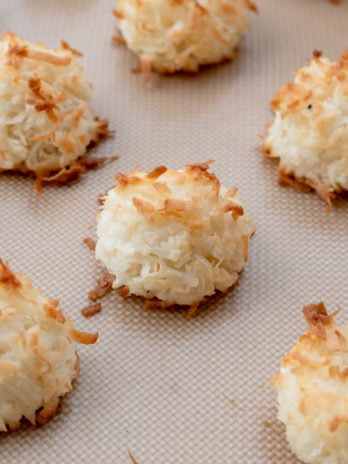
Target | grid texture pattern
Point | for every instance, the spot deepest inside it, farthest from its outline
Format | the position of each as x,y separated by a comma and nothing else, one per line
169,389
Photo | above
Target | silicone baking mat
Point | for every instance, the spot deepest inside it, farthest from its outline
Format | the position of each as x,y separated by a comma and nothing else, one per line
165,388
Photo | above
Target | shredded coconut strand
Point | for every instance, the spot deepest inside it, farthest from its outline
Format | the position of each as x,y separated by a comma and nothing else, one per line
173,235
38,359
46,121
175,35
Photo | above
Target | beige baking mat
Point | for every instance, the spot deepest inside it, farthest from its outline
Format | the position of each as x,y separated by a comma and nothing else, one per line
173,390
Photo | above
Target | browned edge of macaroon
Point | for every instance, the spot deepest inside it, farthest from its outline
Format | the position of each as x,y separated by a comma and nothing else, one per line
145,67
63,176
285,179
105,286
325,192
44,414
75,168
154,304
71,172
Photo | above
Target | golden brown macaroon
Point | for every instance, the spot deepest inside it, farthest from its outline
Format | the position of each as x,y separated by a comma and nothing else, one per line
171,236
175,35
38,358
46,122
313,390
309,134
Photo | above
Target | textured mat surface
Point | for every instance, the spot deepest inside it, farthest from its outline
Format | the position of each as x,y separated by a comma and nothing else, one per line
169,389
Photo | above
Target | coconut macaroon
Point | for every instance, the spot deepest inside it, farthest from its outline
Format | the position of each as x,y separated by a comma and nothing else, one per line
173,237
46,120
313,390
38,359
309,134
177,35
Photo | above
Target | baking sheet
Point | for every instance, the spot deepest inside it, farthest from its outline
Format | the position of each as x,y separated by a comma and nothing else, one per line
169,389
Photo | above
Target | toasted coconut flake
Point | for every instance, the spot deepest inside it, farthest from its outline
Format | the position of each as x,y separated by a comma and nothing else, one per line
157,172
125,180
91,310
7,277
170,36
49,58
312,389
50,123
119,39
15,55
101,199
38,359
51,310
104,286
132,458
309,133
65,46
90,243
123,291
83,337
172,237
